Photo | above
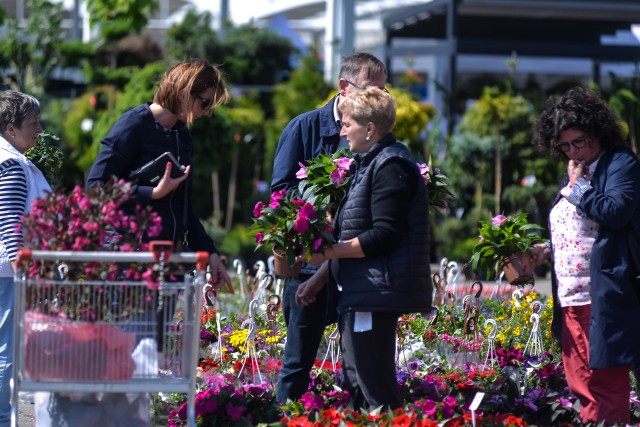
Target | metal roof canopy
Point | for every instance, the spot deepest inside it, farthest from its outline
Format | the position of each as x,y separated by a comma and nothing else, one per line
538,28
566,28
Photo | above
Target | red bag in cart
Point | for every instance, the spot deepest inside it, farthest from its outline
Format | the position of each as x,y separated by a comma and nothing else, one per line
57,348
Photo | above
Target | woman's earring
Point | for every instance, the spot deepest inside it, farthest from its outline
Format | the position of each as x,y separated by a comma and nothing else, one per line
368,138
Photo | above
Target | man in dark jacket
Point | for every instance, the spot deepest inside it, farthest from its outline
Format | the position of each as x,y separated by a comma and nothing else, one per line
305,137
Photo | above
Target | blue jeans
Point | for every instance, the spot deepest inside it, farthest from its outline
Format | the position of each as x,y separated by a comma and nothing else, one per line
6,348
305,326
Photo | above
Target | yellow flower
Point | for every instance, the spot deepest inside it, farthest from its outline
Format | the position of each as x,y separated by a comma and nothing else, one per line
272,339
238,338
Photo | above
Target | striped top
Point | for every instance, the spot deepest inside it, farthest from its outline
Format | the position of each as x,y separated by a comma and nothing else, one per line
13,200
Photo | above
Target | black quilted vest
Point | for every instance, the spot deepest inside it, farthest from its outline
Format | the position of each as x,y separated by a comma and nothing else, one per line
398,281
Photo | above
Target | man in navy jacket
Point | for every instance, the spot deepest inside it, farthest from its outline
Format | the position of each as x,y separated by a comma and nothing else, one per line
306,137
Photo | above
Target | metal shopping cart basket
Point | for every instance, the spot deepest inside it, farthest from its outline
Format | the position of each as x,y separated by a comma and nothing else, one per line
119,334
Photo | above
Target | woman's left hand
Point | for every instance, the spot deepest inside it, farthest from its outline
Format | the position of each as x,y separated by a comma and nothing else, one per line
539,252
219,275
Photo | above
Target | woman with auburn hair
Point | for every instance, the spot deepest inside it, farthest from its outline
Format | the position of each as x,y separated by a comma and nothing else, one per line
188,91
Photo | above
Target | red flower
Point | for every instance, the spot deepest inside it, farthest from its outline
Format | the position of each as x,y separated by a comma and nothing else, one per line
403,420
332,416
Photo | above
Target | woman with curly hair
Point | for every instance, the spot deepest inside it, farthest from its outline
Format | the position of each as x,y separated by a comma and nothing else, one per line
594,282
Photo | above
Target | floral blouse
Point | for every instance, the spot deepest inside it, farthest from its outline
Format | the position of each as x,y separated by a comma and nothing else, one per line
573,235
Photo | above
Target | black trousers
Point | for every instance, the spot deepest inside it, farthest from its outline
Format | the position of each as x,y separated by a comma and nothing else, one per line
305,327
368,367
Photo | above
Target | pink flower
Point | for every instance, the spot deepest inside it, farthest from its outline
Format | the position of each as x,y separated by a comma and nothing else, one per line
424,168
307,211
276,196
317,244
259,237
150,279
344,163
337,176
302,173
301,225
257,209
498,219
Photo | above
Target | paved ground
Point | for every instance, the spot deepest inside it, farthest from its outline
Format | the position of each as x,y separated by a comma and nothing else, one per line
26,415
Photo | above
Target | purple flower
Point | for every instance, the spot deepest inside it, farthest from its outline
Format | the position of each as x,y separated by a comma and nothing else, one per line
317,244
312,401
234,412
564,402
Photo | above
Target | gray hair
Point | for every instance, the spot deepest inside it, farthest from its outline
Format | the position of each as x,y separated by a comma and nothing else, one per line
359,62
15,107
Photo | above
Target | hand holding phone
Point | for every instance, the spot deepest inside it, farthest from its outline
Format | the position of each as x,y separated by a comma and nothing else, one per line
167,184
153,171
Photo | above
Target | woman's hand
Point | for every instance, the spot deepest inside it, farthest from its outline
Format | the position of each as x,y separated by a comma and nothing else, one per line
306,293
219,275
167,184
576,169
539,252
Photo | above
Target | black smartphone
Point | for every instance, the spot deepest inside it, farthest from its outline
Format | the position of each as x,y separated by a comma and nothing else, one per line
153,171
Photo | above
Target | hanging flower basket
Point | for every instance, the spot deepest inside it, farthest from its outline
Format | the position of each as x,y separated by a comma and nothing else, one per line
281,265
518,269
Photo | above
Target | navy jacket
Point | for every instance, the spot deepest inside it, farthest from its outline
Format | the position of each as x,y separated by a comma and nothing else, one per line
398,279
306,136
135,139
613,201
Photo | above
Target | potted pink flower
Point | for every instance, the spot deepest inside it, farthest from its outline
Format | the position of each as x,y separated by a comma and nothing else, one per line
291,225
504,242
323,181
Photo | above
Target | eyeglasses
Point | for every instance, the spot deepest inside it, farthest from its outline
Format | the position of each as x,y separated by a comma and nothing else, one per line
577,144
205,103
363,88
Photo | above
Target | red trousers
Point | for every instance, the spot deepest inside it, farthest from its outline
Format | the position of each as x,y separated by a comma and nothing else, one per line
603,393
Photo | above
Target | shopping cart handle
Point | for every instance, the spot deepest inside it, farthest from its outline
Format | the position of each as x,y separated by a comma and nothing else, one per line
24,255
164,247
202,260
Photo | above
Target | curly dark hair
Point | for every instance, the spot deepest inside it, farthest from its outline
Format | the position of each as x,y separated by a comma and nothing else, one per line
579,108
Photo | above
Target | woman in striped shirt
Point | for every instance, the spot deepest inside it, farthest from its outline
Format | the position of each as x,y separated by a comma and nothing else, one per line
20,183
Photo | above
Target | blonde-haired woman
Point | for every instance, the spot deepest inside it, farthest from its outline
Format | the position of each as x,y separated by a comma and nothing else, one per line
380,261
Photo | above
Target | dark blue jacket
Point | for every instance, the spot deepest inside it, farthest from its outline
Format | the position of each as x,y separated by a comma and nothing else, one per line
135,139
613,201
306,136
397,280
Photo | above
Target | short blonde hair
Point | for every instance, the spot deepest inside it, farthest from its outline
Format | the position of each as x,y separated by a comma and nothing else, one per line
191,77
371,105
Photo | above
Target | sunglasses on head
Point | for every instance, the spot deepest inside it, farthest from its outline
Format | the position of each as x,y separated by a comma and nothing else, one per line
205,103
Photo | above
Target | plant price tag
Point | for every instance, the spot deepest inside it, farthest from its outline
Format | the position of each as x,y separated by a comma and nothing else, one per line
476,401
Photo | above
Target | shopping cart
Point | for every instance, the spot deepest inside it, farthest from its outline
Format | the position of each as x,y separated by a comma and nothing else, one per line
86,336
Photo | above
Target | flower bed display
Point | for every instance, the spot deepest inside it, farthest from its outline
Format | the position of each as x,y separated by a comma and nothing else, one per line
522,384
